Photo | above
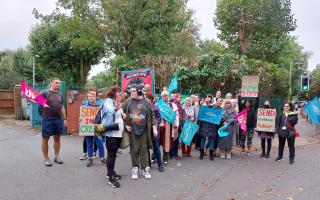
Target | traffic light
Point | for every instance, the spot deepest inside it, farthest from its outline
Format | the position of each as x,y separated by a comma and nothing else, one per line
305,83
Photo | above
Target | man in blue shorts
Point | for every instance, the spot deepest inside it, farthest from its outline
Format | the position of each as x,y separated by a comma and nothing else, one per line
53,121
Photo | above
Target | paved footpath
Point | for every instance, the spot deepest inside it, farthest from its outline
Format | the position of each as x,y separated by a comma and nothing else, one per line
24,177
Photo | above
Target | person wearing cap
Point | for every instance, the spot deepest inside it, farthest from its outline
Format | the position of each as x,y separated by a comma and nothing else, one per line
140,124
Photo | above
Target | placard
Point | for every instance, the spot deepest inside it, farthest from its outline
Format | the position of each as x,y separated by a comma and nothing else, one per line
266,120
87,115
166,112
313,110
188,131
137,79
250,86
210,114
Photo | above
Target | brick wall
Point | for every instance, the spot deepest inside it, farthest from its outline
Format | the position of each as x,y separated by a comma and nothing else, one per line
73,112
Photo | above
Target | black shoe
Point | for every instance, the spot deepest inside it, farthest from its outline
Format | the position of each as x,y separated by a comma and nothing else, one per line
116,176
90,162
267,155
189,155
291,161
113,182
161,168
58,161
278,158
262,155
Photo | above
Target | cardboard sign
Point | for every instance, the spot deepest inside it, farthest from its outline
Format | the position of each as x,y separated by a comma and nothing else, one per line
210,114
137,79
188,131
250,86
87,115
166,112
313,110
266,120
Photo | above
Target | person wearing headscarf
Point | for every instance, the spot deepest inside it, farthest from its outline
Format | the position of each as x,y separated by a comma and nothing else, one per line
226,142
177,107
190,113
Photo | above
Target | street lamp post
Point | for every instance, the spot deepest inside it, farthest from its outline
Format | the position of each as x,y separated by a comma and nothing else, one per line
33,72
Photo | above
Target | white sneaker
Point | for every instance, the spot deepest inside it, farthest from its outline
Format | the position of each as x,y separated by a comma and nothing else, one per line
222,155
228,155
135,173
146,173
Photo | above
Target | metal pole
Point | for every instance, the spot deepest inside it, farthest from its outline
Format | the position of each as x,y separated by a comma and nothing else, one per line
33,72
290,81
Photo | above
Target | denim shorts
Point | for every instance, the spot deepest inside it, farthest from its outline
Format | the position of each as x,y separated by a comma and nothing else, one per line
51,127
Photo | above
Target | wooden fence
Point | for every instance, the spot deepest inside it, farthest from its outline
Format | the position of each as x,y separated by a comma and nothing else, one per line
7,102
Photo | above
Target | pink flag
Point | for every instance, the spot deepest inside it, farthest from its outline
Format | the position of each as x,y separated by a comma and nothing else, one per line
31,94
242,119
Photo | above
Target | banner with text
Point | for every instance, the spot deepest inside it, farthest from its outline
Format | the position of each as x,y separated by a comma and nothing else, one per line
242,119
188,132
266,120
210,114
32,94
137,79
166,112
87,115
250,86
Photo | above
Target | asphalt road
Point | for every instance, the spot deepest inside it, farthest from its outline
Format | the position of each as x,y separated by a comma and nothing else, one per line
24,177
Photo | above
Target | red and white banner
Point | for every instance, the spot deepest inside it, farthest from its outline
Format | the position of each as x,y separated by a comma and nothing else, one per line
32,95
242,119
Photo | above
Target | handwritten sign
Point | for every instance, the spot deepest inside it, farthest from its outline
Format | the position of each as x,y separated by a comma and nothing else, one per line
87,115
188,131
266,120
210,114
250,86
166,112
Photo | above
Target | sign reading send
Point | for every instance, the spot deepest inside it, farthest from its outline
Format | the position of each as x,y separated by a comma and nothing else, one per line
87,115
210,114
266,120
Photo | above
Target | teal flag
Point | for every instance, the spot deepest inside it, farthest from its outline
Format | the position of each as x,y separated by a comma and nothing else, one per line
188,132
210,114
313,110
166,112
173,86
222,132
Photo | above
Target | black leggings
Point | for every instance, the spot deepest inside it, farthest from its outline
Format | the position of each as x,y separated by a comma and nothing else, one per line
282,142
263,145
112,145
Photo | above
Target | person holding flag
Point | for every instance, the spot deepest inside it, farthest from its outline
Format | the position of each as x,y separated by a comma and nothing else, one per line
226,142
53,116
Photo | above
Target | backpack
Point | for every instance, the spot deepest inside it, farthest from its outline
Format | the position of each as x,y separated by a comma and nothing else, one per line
45,94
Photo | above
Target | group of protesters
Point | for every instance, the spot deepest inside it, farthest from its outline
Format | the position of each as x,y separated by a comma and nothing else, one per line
136,114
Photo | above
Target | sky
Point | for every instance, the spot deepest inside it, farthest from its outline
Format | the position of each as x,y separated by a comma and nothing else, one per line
16,21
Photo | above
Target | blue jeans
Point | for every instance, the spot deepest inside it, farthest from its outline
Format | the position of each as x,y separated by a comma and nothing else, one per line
156,150
210,143
99,142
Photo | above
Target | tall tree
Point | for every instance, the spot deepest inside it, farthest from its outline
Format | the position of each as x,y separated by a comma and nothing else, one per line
66,47
255,28
8,76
